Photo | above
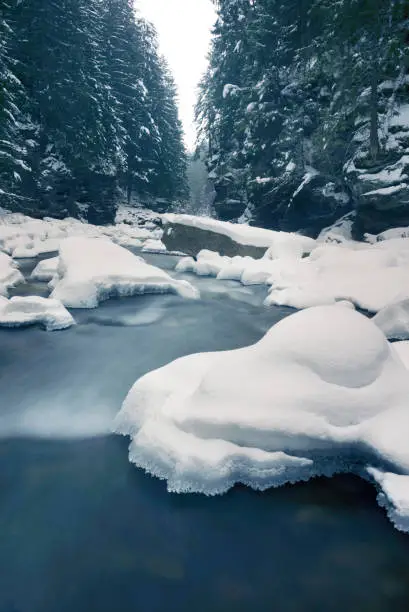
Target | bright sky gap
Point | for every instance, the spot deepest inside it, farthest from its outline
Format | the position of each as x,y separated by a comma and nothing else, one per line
183,28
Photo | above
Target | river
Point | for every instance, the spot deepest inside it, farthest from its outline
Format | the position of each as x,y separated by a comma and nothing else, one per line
81,530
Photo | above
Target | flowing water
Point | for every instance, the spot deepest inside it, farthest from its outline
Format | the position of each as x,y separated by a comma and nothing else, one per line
81,530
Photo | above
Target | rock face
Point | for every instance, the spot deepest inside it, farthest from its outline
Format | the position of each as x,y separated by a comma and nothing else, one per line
191,240
317,203
381,188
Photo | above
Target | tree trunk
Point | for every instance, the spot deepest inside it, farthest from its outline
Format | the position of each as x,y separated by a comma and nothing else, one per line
374,136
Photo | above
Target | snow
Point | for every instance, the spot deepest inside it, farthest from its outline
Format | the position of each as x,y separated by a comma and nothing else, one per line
393,320
402,348
22,311
394,495
243,234
154,245
390,234
387,191
401,118
24,237
340,231
322,392
370,276
94,269
45,270
9,274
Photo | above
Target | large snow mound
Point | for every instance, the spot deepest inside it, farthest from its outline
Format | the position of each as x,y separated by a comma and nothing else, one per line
22,311
10,275
322,392
94,269
247,235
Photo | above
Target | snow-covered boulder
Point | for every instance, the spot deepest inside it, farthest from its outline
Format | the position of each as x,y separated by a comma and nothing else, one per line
31,310
322,392
10,275
191,234
370,276
393,320
94,269
45,270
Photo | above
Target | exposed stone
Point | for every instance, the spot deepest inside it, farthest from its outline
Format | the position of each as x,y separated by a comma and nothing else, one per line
191,240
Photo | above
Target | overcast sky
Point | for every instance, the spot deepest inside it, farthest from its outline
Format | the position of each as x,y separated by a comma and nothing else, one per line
184,34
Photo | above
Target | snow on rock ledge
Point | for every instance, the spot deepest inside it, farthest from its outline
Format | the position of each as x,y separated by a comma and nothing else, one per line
23,311
321,393
91,270
191,234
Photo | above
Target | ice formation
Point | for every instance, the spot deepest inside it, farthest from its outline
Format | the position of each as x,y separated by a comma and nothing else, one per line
94,269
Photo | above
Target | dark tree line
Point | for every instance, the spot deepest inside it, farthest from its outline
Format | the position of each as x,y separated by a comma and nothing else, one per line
87,106
297,91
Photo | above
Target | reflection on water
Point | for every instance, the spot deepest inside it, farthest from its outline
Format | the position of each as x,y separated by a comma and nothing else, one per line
81,530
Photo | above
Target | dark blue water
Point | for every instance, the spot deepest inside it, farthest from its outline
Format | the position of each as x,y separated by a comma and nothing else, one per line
81,530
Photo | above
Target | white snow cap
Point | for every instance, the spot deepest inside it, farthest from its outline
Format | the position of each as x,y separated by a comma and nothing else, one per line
247,235
322,391
9,274
45,270
94,269
22,311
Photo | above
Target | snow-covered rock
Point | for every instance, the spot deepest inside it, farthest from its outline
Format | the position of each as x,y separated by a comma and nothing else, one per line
370,276
22,311
393,320
91,270
322,392
154,245
191,234
10,275
45,270
340,231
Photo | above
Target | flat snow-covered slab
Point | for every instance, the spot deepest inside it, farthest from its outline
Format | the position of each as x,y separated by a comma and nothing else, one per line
94,269
228,238
322,392
23,311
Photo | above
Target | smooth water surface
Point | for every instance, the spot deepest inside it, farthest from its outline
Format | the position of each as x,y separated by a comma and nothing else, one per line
81,530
